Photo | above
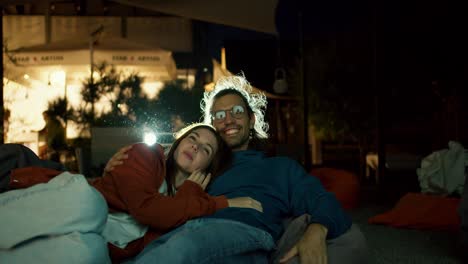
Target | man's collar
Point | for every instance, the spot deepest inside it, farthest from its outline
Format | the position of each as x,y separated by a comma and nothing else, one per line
247,155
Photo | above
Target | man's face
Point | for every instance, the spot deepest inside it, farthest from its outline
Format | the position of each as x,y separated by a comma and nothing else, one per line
235,126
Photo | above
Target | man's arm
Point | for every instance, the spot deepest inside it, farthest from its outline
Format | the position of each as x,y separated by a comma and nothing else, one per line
311,248
328,220
308,196
117,159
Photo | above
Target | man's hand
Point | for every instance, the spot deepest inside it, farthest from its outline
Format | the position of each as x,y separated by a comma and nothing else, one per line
117,159
312,248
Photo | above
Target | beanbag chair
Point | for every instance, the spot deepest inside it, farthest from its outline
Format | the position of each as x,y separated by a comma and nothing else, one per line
56,222
344,184
422,211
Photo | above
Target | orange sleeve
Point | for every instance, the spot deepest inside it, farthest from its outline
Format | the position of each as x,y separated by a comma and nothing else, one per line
137,182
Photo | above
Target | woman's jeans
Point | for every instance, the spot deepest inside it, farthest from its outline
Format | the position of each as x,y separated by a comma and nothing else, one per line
210,240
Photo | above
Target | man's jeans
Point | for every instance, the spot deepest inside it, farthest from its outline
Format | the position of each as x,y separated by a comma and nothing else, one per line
210,240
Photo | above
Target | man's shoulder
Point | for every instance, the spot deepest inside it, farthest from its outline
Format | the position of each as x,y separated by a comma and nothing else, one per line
281,160
273,161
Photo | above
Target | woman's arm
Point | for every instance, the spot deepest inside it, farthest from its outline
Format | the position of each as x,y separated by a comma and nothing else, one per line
137,182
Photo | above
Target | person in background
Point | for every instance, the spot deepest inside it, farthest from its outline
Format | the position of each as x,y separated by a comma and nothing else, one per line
177,123
54,136
6,123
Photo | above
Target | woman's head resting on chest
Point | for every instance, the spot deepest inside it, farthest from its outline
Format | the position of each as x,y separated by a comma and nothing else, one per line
197,147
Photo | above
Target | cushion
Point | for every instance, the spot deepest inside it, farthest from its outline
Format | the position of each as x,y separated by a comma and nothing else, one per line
351,245
422,211
344,184
63,205
74,247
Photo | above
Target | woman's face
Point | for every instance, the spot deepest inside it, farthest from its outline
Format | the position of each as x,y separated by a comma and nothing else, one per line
196,150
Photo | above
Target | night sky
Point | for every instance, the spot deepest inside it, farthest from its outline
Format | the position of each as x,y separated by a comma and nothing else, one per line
410,53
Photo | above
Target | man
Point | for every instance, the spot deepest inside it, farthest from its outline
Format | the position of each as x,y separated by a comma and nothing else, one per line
238,116
280,184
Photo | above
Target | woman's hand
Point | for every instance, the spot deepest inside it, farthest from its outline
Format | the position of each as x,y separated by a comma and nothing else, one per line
245,202
200,178
117,159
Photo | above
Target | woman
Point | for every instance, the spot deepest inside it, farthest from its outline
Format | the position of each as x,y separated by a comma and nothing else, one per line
150,194
164,193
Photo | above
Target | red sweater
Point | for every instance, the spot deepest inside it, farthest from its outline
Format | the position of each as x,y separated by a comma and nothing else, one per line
133,188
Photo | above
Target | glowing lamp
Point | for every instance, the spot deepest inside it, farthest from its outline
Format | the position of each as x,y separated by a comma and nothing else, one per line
149,138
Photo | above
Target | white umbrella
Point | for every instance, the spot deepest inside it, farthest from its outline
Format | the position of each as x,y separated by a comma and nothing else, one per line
50,69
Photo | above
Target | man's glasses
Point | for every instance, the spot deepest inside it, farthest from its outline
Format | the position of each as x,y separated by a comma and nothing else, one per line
236,112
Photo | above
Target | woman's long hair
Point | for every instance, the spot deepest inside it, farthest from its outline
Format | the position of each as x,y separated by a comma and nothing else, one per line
221,158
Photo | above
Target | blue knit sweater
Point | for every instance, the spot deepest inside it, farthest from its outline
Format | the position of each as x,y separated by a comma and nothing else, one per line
284,189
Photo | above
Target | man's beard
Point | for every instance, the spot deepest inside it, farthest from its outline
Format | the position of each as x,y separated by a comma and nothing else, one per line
238,143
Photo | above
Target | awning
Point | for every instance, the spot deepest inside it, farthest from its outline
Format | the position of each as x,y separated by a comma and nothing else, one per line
257,15
74,56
